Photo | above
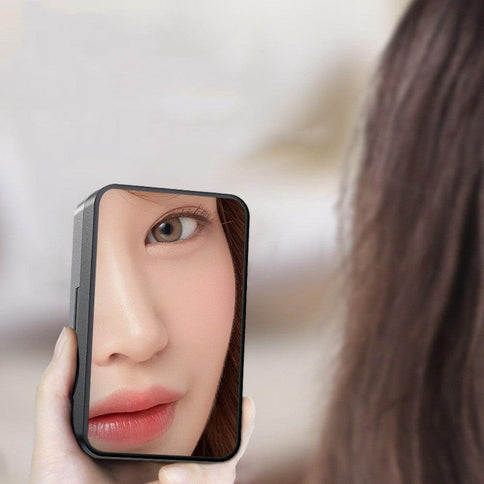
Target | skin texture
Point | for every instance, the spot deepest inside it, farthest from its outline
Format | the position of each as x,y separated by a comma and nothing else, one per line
57,457
163,310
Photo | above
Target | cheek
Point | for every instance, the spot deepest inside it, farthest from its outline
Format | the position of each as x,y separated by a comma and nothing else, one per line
197,307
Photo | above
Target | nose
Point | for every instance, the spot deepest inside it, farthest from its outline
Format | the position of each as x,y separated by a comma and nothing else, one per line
126,325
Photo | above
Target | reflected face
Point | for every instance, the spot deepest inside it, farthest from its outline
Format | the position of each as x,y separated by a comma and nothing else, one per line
163,314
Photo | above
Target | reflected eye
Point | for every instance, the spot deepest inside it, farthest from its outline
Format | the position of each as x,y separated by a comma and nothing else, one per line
172,229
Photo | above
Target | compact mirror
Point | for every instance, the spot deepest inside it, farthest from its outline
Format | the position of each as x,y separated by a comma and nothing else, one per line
161,312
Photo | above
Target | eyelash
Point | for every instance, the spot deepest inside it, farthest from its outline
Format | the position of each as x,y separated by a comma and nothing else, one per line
203,216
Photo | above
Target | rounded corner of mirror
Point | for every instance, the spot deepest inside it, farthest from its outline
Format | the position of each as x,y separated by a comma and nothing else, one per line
241,202
99,193
88,448
232,453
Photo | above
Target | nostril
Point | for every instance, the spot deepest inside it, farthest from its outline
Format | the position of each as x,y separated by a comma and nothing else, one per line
115,357
142,357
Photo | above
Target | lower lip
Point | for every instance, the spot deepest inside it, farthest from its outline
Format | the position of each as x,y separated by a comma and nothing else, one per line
132,428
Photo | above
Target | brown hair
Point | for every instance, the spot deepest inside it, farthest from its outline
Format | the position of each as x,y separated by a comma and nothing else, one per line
408,403
219,437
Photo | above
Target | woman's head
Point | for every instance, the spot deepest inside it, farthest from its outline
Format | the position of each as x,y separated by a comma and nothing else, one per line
165,306
408,404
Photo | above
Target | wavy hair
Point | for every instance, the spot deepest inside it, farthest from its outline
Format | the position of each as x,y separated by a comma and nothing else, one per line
408,402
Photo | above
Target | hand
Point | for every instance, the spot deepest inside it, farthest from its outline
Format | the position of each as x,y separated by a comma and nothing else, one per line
216,473
57,456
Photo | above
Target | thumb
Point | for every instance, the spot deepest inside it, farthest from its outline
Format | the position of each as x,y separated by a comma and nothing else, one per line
221,473
53,431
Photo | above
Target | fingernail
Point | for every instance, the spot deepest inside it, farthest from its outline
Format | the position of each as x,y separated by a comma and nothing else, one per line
177,475
61,341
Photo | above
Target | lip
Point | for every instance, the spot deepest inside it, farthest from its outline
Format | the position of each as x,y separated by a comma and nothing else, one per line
129,418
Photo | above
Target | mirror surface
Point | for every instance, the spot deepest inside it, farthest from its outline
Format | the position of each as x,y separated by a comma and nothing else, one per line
166,339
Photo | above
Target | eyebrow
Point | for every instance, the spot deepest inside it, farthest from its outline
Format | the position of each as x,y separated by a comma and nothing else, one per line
164,198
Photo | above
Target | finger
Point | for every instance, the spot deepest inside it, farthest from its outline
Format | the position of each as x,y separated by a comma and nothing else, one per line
223,472
248,424
53,405
184,474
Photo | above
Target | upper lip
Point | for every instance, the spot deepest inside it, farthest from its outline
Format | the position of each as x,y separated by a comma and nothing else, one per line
128,400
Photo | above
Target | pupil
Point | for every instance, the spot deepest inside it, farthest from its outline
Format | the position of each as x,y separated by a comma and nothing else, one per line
166,228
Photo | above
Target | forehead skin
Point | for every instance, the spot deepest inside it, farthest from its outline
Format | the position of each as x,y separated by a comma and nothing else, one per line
167,199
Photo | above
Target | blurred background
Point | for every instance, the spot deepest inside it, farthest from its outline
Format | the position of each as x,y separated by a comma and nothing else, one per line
256,98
